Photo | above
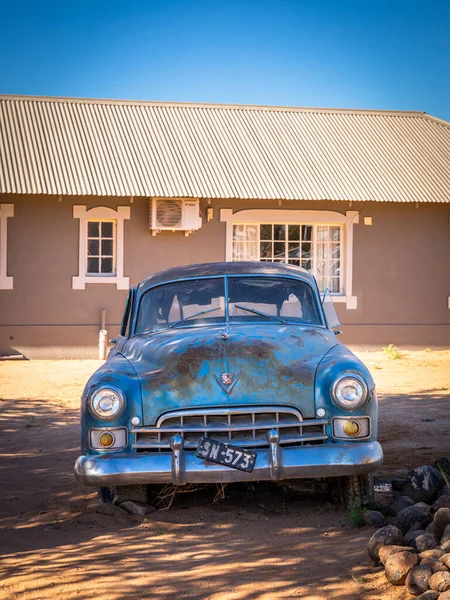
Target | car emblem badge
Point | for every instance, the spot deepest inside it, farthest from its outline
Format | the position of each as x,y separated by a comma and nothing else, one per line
227,381
226,378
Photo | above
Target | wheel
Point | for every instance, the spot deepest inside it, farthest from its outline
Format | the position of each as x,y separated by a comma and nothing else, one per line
354,491
106,495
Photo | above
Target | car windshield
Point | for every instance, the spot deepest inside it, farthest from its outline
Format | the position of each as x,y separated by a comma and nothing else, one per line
250,299
272,299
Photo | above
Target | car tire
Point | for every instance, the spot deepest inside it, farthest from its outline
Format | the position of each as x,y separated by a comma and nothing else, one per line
354,491
106,495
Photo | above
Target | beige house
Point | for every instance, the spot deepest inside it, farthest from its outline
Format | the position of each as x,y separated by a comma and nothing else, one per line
96,194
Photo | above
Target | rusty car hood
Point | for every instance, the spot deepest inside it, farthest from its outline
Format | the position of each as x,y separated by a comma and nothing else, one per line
269,364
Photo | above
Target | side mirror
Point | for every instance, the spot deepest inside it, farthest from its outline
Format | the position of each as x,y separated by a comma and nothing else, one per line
113,341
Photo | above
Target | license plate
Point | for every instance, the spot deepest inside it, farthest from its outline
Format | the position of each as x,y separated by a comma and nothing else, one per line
223,454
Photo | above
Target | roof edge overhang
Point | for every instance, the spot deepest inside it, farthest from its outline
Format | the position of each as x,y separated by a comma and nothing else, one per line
213,105
225,198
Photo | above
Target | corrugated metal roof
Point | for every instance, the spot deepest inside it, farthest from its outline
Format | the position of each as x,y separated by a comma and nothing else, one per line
124,148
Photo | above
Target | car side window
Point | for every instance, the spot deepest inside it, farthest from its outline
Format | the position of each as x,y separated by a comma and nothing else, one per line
330,311
126,319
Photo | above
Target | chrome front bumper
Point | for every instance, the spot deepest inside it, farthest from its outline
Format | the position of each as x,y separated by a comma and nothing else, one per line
274,463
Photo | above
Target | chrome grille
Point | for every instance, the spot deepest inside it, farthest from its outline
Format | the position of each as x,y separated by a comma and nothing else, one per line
246,427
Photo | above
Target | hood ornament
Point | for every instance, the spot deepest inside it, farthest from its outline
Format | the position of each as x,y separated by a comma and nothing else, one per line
225,333
227,380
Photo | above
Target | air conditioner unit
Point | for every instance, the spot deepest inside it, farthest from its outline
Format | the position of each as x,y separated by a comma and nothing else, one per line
174,215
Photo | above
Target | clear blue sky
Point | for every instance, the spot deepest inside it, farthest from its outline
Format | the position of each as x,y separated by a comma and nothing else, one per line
386,54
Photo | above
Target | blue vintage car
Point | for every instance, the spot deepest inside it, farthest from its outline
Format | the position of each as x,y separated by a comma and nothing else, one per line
229,372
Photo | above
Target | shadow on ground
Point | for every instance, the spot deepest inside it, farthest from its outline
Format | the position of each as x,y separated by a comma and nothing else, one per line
260,542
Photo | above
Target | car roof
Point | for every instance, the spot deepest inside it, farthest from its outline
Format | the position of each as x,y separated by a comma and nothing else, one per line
224,268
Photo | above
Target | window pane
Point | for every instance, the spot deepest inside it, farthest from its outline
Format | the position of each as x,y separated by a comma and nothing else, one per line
330,311
306,250
306,232
92,265
320,268
293,300
107,247
294,250
328,251
163,305
294,261
279,250
107,265
93,228
333,268
279,232
336,234
238,232
265,249
294,232
251,233
265,232
107,229
251,251
93,246
307,264
334,285
322,233
320,251
335,251
238,250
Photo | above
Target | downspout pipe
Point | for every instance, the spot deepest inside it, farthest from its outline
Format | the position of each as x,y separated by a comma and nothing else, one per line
102,344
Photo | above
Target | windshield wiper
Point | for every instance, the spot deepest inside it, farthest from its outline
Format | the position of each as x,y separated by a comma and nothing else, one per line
202,312
258,312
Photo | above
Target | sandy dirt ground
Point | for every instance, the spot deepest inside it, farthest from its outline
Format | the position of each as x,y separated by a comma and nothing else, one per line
257,543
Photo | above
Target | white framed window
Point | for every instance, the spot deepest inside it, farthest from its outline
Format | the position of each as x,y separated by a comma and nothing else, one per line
6,211
316,248
101,246
319,241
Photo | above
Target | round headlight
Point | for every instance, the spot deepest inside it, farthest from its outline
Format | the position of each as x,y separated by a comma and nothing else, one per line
106,403
349,391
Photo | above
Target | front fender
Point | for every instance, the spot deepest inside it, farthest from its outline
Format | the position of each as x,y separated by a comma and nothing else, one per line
119,373
338,361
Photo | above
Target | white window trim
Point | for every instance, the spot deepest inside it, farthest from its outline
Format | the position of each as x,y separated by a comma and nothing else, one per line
314,217
100,212
6,211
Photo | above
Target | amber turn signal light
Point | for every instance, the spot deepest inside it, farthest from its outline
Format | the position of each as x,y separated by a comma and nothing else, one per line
351,428
106,439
